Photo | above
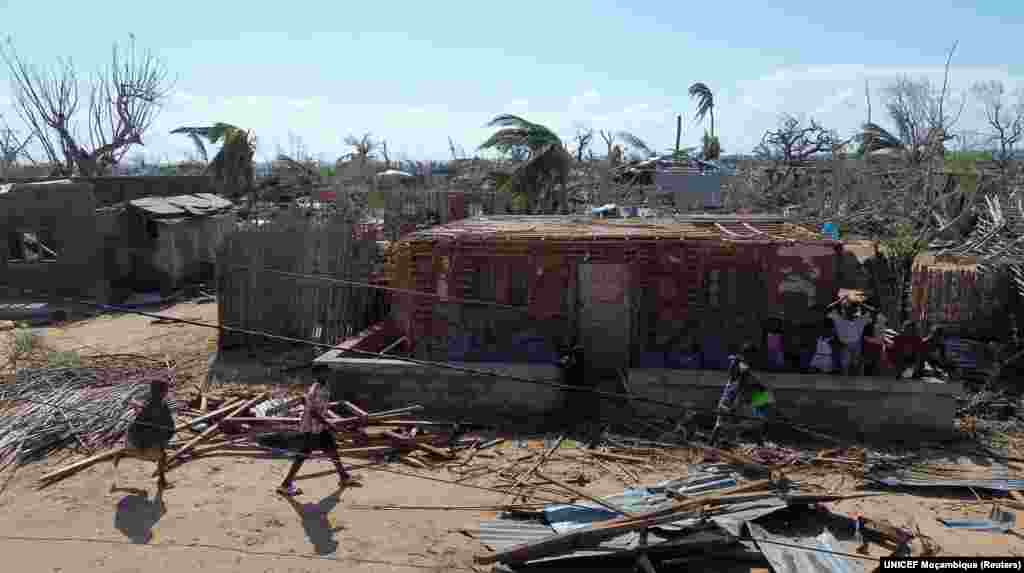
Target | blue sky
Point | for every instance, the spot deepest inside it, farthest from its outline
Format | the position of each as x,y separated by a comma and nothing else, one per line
416,73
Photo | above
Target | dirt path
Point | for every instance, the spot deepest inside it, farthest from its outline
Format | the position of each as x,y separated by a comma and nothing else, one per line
223,516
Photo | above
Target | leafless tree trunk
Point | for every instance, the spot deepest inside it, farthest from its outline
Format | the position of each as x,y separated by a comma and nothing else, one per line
124,98
12,147
583,137
1005,119
609,140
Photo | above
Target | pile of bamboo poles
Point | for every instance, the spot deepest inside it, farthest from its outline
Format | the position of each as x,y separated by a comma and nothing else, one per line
86,408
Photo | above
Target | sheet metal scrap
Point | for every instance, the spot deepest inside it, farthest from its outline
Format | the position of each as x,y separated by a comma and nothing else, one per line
817,557
996,477
691,533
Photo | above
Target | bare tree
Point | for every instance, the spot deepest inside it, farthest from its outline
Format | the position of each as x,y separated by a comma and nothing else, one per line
12,147
1005,118
922,116
609,140
123,100
583,138
793,142
362,147
456,150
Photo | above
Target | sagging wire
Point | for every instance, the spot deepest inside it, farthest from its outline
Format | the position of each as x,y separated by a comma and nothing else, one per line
819,433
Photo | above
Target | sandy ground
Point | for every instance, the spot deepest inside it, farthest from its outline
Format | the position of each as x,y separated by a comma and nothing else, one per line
222,515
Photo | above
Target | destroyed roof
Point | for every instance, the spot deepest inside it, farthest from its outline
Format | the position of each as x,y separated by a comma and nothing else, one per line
182,206
558,227
998,236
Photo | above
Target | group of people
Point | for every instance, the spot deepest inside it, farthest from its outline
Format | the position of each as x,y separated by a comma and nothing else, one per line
151,432
854,341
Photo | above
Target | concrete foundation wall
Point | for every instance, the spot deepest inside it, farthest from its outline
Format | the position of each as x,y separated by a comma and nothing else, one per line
385,384
872,406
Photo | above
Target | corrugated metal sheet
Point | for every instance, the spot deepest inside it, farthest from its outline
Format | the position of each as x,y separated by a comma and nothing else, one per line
182,205
785,558
504,534
944,473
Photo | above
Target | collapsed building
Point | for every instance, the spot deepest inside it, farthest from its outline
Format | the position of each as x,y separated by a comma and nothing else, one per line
658,303
59,238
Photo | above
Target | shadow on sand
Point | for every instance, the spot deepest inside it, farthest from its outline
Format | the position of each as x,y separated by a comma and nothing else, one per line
137,514
316,522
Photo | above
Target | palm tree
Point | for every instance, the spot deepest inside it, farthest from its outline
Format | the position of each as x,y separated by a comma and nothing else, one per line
636,144
233,164
547,162
517,132
705,103
706,108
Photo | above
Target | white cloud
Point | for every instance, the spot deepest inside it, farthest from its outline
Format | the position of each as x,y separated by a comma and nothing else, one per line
833,95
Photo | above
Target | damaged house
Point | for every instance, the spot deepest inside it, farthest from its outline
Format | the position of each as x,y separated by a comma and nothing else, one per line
58,239
658,303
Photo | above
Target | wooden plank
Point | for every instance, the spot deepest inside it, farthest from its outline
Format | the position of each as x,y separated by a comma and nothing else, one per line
215,428
66,471
584,495
207,417
525,475
354,409
618,457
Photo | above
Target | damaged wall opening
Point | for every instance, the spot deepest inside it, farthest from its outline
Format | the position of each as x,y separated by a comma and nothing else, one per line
31,246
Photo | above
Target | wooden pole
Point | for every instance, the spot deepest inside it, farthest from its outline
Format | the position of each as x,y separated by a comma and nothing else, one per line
209,416
216,427
679,130
584,495
525,475
79,465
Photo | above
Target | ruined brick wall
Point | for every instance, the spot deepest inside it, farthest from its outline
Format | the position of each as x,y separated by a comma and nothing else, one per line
65,214
712,293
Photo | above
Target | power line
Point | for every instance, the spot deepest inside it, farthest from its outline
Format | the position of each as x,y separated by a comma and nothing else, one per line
448,366
291,451
352,283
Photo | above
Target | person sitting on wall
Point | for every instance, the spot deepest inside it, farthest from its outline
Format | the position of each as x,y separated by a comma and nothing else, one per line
849,324
907,349
876,348
775,355
823,360
936,361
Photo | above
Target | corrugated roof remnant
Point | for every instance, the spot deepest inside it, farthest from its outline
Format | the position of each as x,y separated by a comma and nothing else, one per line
568,228
182,206
944,473
818,557
668,528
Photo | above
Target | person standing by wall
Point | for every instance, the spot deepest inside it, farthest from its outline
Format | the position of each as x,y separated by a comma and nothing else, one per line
849,325
738,390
